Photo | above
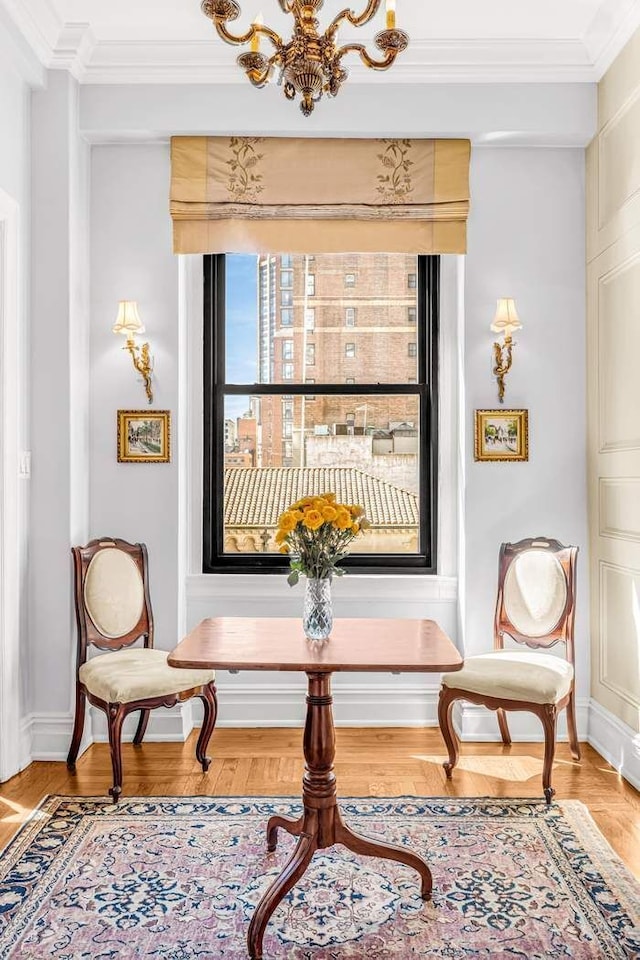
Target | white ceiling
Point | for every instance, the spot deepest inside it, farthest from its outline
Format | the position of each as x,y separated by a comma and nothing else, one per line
121,41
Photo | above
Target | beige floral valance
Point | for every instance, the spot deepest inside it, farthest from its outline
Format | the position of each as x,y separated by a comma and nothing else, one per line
250,194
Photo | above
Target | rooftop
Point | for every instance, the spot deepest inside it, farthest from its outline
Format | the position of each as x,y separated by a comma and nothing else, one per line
257,497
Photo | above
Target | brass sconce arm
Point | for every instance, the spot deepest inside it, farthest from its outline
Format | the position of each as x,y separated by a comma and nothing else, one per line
142,362
503,358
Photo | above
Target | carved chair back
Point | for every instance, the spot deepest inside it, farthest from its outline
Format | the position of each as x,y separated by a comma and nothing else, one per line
536,594
113,608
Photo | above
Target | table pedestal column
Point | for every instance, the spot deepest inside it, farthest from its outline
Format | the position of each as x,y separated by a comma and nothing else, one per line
320,825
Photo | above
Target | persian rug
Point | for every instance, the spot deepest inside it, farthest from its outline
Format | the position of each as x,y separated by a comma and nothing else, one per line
179,878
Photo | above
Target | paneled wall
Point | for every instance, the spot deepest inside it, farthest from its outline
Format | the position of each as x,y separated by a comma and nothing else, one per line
613,276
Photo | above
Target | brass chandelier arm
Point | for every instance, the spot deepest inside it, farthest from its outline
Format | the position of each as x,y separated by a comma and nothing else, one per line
249,35
358,21
366,57
286,5
261,79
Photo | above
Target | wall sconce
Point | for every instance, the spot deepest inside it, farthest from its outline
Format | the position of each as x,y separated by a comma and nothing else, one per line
506,321
128,323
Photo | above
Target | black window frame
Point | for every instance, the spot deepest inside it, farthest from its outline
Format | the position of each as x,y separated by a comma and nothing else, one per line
215,389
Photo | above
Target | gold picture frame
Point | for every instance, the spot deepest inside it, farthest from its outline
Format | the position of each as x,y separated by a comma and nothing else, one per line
144,436
501,435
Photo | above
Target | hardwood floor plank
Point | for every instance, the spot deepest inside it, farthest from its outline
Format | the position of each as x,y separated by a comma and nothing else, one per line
369,762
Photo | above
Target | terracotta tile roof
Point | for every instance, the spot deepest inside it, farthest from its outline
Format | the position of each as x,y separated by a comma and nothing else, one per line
257,497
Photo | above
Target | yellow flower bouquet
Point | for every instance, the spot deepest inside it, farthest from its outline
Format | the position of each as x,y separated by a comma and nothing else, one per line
316,532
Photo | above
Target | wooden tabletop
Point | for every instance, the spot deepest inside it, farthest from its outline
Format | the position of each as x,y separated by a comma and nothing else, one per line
239,643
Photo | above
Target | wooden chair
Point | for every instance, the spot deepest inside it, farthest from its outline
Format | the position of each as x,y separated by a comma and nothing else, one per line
535,607
113,610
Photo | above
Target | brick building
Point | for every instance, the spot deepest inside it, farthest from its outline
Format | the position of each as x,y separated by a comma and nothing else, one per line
334,319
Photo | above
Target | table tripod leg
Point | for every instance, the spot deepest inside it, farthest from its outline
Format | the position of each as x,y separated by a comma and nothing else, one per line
389,851
294,869
294,827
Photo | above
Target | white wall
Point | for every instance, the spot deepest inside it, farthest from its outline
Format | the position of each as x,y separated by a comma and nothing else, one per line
16,71
525,239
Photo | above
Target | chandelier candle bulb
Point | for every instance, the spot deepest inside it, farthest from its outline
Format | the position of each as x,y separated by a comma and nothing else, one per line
391,14
255,39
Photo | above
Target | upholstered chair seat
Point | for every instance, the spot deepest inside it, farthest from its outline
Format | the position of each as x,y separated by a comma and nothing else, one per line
514,675
138,674
113,612
535,608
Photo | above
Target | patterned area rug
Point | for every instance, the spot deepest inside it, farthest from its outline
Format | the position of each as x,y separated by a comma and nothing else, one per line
179,878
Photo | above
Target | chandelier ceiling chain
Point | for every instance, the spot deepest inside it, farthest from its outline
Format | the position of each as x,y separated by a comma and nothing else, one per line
310,64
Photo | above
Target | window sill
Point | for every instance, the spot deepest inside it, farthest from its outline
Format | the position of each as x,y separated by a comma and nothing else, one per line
354,587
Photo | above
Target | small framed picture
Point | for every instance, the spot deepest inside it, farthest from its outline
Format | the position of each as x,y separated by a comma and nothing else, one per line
502,435
144,437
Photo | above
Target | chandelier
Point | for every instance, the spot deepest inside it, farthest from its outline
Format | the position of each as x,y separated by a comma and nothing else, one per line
310,64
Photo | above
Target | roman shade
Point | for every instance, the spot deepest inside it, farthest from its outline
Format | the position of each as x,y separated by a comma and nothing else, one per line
250,194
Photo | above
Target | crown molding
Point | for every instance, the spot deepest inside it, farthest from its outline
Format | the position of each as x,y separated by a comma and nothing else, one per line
74,49
38,22
610,30
437,61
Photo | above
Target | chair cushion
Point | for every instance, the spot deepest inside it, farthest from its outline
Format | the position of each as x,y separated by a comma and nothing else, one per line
514,675
137,674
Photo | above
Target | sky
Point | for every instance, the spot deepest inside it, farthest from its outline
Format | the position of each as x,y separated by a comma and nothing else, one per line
242,332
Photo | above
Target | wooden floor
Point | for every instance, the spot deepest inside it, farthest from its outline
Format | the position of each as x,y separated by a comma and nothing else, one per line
369,762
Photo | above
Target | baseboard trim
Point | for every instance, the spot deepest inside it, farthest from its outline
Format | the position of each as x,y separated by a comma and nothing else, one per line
618,743
479,725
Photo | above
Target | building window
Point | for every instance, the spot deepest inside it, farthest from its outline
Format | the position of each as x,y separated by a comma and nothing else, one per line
286,261
310,318
286,317
312,424
350,316
286,298
349,279
311,285
411,281
286,279
411,314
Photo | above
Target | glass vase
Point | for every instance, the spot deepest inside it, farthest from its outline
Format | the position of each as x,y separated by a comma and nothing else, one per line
317,618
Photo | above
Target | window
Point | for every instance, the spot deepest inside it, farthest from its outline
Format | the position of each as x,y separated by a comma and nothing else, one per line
350,316
310,318
411,314
286,298
286,316
364,388
286,261
411,281
349,279
286,279
311,285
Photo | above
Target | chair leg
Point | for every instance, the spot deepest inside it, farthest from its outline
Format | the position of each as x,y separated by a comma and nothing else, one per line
142,727
548,715
504,726
210,702
445,711
116,717
78,727
572,726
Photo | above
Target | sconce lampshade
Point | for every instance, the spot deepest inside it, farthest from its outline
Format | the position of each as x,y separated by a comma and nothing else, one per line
128,321
506,320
